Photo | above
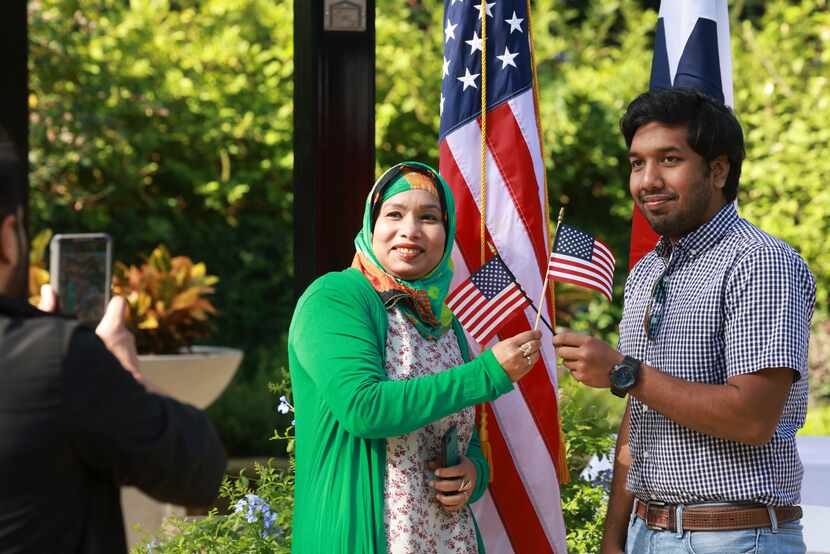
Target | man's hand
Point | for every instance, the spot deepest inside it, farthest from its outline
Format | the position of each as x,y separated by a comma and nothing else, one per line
48,300
459,481
590,360
117,338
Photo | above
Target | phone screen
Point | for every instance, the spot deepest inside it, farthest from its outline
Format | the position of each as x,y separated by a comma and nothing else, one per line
83,275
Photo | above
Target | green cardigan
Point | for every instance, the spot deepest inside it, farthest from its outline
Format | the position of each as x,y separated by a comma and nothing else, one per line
345,407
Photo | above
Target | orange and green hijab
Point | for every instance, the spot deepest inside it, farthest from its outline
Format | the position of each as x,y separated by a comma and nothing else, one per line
421,300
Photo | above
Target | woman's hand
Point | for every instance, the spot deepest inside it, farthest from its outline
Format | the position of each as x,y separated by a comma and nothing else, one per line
459,481
517,355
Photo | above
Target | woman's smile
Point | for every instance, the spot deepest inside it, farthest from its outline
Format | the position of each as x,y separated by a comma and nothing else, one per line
407,253
408,238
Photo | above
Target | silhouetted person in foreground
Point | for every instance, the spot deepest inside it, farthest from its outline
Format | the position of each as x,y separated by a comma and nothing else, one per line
76,418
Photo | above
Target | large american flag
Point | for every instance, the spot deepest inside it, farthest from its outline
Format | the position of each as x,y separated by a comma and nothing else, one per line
485,301
580,259
521,511
691,50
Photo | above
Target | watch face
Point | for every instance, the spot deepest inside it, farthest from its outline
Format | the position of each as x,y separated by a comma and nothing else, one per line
622,377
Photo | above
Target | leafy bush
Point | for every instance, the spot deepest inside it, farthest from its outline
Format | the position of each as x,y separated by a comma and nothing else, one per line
259,521
819,362
168,310
259,515
171,122
38,274
590,419
781,66
818,421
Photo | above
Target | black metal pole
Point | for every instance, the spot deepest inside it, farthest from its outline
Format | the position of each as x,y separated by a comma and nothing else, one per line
334,131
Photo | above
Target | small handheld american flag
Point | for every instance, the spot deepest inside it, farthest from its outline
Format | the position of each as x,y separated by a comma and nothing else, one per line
488,298
580,259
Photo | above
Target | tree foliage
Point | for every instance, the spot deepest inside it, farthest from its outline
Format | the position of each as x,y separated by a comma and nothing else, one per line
171,122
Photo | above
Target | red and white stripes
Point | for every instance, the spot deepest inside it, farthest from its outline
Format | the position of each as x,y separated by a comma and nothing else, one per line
521,512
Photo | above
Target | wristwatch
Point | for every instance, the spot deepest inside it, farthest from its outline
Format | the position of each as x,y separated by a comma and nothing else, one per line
624,375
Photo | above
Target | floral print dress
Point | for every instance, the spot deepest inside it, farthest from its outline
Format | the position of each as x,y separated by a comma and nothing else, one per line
415,522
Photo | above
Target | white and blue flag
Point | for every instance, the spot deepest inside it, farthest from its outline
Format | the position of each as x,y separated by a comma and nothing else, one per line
691,50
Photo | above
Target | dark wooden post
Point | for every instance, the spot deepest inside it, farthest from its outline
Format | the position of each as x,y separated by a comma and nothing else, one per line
334,131
14,82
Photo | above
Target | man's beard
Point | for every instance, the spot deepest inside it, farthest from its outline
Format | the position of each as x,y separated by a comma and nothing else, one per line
682,221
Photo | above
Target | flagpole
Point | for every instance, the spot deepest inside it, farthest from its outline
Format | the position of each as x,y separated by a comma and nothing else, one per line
483,435
535,309
547,276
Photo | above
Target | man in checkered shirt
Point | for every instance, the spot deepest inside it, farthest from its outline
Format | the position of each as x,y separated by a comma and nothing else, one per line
712,352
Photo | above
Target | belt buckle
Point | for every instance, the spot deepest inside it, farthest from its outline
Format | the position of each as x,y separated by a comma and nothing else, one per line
649,503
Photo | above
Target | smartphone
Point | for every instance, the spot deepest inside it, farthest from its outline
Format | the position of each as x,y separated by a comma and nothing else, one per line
80,271
449,448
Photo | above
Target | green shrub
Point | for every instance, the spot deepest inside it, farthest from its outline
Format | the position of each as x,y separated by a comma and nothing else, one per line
819,362
260,509
818,420
170,122
259,521
590,420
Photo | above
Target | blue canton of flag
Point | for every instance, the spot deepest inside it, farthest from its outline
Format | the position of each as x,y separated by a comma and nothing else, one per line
580,259
508,58
488,298
493,278
574,242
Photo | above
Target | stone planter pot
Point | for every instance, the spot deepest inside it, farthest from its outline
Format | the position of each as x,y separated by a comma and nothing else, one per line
196,377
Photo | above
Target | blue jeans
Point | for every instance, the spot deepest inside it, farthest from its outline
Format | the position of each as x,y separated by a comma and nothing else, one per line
788,539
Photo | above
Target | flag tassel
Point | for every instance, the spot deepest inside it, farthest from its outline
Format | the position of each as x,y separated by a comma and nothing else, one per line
486,448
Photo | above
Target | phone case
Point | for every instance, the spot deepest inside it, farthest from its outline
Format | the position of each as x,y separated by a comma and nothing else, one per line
449,448
74,259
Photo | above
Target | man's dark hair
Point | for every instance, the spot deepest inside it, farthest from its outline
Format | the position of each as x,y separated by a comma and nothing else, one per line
11,177
712,128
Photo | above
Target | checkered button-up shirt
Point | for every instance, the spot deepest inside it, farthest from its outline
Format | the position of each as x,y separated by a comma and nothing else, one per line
736,301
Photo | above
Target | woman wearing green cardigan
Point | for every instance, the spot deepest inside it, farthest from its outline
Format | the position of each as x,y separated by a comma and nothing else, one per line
380,371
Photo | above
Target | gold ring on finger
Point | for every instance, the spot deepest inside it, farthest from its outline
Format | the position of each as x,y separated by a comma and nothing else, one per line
526,349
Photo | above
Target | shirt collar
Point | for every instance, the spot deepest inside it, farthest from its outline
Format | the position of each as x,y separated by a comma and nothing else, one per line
702,238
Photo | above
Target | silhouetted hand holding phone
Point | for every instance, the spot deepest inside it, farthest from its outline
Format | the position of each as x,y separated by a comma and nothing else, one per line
112,330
